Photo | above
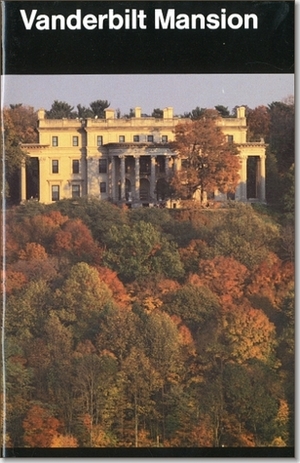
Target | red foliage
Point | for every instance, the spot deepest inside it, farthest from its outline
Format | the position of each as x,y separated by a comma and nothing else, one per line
272,279
118,289
76,239
224,276
13,280
40,427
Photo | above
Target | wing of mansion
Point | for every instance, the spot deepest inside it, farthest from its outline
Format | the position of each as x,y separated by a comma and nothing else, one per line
126,160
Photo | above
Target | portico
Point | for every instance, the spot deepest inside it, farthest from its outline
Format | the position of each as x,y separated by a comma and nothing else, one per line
136,171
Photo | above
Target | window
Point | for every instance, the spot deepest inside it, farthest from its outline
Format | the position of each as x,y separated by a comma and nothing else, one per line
136,138
75,166
75,191
55,192
230,138
54,141
150,138
121,138
99,140
55,167
164,138
102,166
102,187
75,141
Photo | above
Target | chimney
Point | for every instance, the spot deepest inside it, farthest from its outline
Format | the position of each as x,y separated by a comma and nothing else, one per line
109,113
240,113
138,111
41,114
168,113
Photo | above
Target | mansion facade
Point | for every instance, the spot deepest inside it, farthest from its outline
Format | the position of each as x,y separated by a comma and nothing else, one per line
125,160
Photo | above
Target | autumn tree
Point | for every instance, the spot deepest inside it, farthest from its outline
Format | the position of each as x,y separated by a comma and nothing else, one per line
208,161
40,427
258,121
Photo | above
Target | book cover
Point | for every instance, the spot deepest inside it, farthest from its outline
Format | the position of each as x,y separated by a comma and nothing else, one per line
147,177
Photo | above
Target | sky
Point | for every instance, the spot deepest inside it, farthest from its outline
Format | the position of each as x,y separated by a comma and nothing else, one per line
183,92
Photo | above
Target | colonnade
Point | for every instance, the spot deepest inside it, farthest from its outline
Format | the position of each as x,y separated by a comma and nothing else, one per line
241,193
118,174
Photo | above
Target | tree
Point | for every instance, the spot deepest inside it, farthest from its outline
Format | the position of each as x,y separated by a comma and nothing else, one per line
241,232
258,121
19,123
24,120
139,251
195,305
60,110
157,113
83,112
282,133
208,161
98,108
222,110
40,427
81,299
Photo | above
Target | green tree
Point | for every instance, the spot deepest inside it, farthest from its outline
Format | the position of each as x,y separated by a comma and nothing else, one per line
282,133
195,305
139,251
157,113
83,112
19,124
98,108
60,110
241,232
81,299
222,110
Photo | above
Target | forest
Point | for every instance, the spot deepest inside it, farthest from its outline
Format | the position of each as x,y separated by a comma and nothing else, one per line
151,327
148,327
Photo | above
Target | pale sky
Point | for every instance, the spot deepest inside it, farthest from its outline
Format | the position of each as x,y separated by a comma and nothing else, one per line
182,91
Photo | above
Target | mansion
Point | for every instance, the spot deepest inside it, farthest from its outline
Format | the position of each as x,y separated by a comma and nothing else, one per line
125,160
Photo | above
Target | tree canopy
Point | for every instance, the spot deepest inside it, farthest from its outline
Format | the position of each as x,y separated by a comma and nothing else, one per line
209,163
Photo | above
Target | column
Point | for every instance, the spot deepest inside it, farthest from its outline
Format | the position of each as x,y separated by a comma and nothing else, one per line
262,178
167,162
137,178
23,181
177,164
241,191
153,177
243,179
122,177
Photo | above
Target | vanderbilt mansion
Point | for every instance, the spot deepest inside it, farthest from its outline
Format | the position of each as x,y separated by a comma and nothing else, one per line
126,160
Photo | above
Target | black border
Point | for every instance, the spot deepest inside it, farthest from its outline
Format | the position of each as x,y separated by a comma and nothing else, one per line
257,452
269,49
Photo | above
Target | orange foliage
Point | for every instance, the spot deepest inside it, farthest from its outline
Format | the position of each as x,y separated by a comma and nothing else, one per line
249,333
40,427
13,280
116,286
60,441
224,276
272,279
33,251
74,237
